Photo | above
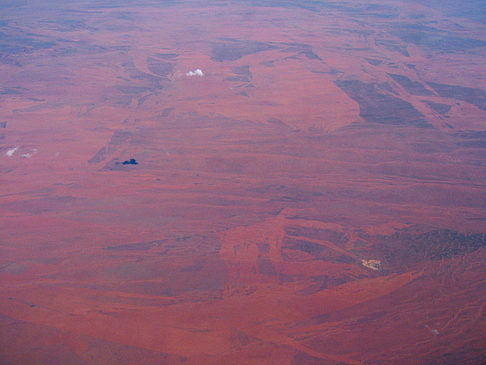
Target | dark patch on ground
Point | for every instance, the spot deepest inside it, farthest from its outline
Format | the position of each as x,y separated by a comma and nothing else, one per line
3,124
166,112
15,43
99,156
471,9
232,50
159,67
356,9
471,134
209,278
376,107
102,4
10,91
319,251
167,56
385,86
289,199
143,99
14,268
242,74
265,267
132,90
303,358
393,46
309,247
442,109
408,246
119,138
151,82
472,139
303,49
472,144
435,39
114,165
374,62
324,282
42,205
413,87
226,165
470,95
263,248
141,246
242,338
330,235
277,122
41,345
67,25
431,147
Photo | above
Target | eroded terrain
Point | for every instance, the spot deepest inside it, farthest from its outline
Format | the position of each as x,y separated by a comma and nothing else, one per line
278,182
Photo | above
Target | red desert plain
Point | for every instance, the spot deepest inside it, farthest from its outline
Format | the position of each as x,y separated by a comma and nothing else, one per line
242,182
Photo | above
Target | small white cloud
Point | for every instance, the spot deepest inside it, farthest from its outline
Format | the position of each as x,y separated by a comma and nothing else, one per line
30,154
196,72
11,152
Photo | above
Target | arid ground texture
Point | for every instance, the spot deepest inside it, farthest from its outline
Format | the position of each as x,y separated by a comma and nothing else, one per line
242,182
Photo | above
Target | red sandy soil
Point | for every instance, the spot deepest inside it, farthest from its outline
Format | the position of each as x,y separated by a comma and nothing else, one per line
260,187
